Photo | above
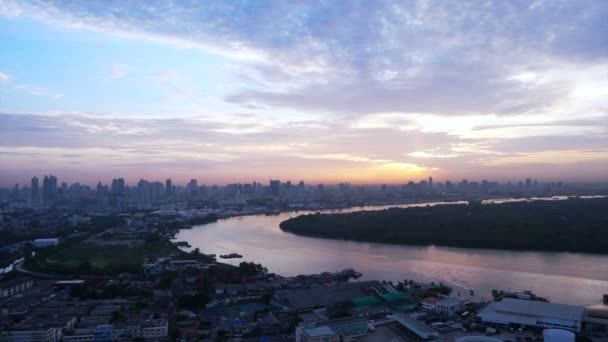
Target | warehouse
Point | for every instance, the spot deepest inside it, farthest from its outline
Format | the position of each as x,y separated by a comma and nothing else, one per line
534,313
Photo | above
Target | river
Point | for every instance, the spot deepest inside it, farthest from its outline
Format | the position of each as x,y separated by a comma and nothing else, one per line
573,278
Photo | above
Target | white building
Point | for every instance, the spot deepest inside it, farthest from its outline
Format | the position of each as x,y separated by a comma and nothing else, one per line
41,243
445,306
152,330
534,313
336,330
158,328
15,286
42,335
316,334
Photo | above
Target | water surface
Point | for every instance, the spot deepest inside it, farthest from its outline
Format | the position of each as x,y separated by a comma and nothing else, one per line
574,278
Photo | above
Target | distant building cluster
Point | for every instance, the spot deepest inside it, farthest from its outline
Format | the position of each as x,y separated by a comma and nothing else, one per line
274,195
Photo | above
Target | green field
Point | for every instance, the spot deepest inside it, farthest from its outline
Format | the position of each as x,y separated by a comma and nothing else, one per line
94,259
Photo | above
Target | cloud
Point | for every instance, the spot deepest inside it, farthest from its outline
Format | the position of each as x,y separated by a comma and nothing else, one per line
446,58
423,154
225,149
172,85
3,77
118,71
381,86
32,90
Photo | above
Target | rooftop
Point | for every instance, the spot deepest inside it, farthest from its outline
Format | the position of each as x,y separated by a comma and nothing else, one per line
322,296
449,301
537,308
319,331
417,327
13,282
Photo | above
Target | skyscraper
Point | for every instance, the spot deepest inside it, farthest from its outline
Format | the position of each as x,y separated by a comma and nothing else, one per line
168,187
275,187
193,186
100,196
118,186
49,190
35,193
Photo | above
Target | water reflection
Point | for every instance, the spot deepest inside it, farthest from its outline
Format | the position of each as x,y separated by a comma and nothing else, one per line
564,277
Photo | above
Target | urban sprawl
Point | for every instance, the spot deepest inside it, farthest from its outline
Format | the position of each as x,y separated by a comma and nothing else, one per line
102,263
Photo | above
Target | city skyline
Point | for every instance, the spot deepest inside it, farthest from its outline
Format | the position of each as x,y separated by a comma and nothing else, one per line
34,181
367,93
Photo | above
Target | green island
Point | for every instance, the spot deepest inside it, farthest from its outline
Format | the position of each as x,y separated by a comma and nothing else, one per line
573,225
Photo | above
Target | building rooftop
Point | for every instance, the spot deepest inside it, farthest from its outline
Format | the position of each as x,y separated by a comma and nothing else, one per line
13,282
417,327
322,296
449,301
319,331
394,296
537,308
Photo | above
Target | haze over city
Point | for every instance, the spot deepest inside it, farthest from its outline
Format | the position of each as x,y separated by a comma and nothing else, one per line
361,92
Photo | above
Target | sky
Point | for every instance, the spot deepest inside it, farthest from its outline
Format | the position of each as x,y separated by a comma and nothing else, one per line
325,91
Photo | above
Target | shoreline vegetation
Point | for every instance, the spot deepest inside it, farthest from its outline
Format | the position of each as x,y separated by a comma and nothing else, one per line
573,225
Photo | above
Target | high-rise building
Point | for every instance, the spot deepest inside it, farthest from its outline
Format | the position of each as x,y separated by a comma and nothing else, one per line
430,183
449,186
35,193
168,187
157,190
275,187
118,186
144,191
193,187
49,190
100,196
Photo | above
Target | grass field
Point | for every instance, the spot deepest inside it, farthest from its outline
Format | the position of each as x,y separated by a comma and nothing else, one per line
93,258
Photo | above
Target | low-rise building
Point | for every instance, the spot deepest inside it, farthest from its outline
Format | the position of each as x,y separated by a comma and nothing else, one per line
40,329
336,330
414,327
534,313
307,299
42,243
153,330
445,306
15,286
25,335
316,334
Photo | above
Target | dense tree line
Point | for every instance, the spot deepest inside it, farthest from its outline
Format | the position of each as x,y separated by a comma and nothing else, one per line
577,225
209,218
